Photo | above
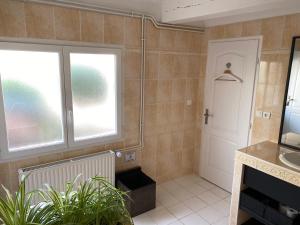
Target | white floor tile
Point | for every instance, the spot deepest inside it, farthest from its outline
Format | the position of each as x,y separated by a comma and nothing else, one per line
166,199
176,223
181,194
222,207
195,189
207,185
170,186
220,192
210,214
195,204
143,220
193,219
224,221
185,181
180,210
162,217
209,197
188,200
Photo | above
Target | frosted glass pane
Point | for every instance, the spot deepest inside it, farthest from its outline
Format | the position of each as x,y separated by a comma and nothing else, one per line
32,98
94,95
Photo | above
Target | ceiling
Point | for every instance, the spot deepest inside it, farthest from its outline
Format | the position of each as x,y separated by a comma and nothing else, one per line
202,12
151,7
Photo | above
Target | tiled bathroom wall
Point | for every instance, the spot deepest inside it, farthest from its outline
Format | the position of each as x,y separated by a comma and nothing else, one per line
171,86
175,72
277,33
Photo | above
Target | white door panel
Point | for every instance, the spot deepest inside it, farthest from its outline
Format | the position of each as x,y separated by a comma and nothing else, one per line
230,106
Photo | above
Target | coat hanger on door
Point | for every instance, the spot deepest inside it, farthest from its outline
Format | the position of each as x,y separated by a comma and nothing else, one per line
228,75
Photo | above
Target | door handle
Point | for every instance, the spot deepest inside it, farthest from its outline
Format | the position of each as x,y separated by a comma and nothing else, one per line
206,115
289,100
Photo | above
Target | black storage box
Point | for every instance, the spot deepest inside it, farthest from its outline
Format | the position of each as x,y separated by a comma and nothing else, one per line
253,201
264,209
252,222
140,188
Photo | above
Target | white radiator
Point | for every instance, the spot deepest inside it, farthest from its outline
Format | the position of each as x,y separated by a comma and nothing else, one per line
57,174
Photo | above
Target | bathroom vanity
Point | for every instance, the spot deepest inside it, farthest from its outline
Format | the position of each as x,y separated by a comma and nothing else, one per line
262,185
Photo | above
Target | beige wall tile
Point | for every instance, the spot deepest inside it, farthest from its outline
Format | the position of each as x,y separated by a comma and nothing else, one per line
189,113
133,64
272,31
187,161
167,40
216,32
113,29
233,30
131,117
132,91
151,115
180,65
133,32
192,86
194,66
181,42
39,21
178,89
177,112
151,87
12,19
92,26
172,57
291,28
164,93
252,28
195,42
152,60
163,113
152,36
149,156
67,24
166,66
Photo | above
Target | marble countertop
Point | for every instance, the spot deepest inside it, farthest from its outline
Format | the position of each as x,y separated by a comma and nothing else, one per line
265,157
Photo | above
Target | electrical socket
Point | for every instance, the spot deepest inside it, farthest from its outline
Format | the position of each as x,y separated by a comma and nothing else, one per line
266,115
129,156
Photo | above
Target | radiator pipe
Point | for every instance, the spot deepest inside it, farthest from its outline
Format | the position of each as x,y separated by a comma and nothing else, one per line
143,17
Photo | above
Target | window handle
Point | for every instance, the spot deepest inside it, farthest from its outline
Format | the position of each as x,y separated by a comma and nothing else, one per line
70,115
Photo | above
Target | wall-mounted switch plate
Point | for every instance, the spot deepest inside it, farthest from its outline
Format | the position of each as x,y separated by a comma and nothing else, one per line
259,113
189,102
129,156
266,115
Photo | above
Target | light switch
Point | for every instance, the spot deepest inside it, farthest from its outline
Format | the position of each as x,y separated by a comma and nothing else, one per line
259,113
189,102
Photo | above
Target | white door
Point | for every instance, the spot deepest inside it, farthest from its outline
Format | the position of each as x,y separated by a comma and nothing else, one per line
229,103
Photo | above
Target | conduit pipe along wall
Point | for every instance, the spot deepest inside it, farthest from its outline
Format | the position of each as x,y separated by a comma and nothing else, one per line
143,17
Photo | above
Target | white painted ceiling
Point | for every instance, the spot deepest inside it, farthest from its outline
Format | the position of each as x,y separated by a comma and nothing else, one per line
203,12
151,7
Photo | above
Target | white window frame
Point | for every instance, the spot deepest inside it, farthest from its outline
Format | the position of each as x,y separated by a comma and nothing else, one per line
63,49
69,102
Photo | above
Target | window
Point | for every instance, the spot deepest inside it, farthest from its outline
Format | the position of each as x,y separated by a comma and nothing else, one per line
55,97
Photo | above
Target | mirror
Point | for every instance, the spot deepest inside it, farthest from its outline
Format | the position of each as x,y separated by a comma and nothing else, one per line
290,121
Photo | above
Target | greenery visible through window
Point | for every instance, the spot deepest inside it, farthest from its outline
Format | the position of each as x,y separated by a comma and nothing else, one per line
41,108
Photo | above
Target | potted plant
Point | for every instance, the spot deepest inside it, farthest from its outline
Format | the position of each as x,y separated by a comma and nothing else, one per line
93,202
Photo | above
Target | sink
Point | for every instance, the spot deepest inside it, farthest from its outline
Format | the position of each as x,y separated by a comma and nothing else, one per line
291,159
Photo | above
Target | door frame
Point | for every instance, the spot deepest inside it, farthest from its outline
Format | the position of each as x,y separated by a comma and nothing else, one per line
259,38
